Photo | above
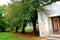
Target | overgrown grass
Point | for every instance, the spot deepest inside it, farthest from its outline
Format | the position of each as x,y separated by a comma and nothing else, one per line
27,30
10,36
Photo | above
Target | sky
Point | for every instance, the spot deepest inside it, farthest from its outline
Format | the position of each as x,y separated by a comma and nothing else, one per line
4,2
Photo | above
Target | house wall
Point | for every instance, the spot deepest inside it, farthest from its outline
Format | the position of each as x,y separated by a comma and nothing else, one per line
44,19
43,24
50,26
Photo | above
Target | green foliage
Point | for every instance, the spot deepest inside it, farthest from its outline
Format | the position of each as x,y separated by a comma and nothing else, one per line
2,23
18,11
1,9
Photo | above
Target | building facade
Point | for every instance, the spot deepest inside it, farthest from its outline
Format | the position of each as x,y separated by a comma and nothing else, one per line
49,20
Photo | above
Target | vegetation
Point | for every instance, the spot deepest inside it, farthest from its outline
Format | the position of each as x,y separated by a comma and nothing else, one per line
19,13
11,36
2,22
23,12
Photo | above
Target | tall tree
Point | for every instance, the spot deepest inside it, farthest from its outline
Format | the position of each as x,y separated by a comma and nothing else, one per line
2,23
25,10
34,6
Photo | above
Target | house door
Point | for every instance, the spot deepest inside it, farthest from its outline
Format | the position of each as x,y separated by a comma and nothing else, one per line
55,24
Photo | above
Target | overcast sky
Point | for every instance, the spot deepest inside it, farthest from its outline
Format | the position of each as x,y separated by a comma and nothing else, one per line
2,2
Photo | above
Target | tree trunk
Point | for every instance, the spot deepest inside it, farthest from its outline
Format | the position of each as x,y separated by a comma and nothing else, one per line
24,25
34,28
3,29
16,28
34,23
23,29
12,28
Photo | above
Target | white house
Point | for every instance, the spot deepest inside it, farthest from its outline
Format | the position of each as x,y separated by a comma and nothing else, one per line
49,21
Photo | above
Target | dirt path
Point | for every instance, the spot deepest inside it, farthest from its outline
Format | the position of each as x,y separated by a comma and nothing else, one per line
26,35
29,35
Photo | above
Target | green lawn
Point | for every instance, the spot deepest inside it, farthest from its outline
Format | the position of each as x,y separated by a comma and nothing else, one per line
11,36
27,30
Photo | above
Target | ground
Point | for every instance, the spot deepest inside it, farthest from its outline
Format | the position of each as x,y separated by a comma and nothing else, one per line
18,36
29,35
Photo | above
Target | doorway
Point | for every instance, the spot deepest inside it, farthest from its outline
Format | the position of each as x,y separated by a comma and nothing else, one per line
55,24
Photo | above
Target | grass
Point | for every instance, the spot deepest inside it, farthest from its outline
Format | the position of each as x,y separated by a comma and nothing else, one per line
27,30
11,36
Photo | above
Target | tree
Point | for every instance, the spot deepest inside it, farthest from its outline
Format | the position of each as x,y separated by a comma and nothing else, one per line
35,6
10,18
25,10
2,23
14,11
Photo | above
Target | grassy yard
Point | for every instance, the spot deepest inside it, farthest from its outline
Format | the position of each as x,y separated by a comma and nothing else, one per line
27,30
11,36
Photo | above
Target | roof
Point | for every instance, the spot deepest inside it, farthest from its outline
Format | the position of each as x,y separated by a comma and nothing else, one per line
53,9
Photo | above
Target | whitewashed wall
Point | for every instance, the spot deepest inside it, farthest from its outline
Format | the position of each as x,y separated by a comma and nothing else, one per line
43,21
50,26
44,18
